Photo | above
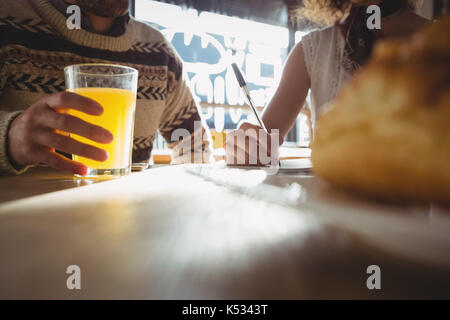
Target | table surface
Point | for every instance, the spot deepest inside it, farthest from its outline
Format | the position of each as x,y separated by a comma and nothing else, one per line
211,232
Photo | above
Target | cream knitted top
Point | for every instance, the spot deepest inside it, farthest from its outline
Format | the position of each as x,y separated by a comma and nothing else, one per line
324,54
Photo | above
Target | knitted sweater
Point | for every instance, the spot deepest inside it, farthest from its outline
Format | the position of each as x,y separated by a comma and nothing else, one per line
36,45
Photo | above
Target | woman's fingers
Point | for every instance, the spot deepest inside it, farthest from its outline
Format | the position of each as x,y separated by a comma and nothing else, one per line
242,149
251,144
259,134
246,126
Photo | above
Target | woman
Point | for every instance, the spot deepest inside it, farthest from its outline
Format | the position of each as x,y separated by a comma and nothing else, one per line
323,61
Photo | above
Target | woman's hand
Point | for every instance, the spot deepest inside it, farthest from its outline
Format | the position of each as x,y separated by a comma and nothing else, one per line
33,137
252,145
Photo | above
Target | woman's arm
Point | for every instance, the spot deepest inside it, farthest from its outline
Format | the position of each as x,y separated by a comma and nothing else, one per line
279,114
290,96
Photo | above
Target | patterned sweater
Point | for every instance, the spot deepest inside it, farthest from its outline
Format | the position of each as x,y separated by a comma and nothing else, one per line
36,45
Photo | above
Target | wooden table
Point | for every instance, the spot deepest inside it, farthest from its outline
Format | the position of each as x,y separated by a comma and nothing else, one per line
207,232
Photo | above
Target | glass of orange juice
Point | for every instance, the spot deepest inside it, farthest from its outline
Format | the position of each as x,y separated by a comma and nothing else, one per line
114,87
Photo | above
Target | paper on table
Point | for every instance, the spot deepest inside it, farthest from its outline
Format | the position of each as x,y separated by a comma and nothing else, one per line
294,153
295,166
285,153
291,159
288,166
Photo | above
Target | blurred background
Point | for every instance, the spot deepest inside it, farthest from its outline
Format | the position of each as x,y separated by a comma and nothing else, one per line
257,34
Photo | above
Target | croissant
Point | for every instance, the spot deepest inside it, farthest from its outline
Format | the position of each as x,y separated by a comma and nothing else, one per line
387,134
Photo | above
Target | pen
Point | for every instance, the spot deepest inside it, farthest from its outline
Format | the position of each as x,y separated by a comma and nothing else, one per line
243,85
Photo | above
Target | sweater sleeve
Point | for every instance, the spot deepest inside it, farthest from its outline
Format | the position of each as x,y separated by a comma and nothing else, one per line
181,124
6,166
6,118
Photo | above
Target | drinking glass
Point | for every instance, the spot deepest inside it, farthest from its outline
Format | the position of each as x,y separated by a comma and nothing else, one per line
114,88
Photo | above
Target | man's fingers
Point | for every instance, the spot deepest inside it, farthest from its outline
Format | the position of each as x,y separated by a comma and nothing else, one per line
59,162
68,145
71,124
69,100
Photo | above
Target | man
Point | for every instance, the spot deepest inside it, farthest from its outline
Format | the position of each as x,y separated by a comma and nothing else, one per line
36,44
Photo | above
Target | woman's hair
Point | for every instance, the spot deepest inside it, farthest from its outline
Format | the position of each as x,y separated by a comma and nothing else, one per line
327,12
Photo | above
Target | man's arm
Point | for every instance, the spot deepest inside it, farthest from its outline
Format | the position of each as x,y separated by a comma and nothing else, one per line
181,124
6,118
6,163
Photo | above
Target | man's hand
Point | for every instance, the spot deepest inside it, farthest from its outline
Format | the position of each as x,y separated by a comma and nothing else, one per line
32,138
251,145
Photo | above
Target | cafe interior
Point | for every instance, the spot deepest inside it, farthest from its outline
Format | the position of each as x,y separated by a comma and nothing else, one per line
357,205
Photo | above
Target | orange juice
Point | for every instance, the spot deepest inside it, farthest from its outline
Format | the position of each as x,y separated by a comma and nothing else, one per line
118,117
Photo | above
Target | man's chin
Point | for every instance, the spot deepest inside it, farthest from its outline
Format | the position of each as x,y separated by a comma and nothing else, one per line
111,15
366,2
105,8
